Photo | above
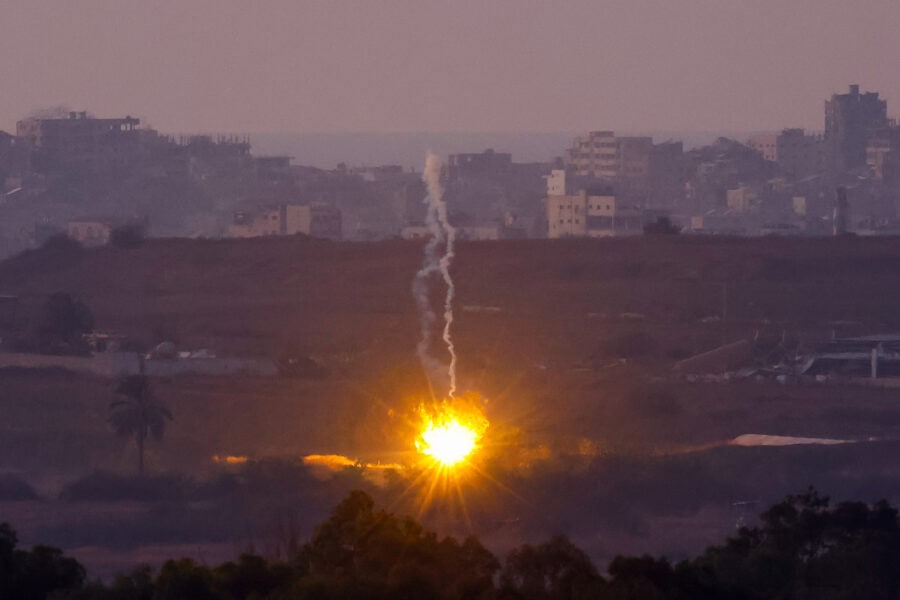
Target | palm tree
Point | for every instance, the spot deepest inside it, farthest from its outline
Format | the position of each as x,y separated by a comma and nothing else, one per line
138,413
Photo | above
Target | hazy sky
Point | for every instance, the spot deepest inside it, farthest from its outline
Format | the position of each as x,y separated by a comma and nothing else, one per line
381,66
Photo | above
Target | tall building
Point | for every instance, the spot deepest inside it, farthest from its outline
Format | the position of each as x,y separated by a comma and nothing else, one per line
594,155
643,173
800,154
849,120
82,142
666,175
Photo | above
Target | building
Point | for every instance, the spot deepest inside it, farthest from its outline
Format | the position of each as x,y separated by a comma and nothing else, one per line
870,357
314,220
633,157
666,176
89,232
478,164
799,154
849,121
83,142
644,174
13,158
883,154
741,199
766,144
594,155
461,233
589,212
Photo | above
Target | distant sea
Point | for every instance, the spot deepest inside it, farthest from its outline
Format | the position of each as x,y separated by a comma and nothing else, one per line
326,150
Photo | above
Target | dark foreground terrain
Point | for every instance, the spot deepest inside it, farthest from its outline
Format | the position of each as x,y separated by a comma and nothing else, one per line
571,342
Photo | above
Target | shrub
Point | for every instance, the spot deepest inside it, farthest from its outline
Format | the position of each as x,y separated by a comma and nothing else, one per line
66,319
62,244
662,226
130,235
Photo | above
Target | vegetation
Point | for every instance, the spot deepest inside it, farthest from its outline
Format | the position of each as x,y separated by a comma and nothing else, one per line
65,320
661,226
803,548
138,414
35,574
129,235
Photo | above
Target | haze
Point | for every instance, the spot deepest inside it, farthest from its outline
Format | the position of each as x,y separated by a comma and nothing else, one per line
214,65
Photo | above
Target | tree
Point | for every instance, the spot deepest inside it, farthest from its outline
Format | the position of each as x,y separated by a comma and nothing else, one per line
364,552
662,226
554,570
66,319
138,414
35,574
804,549
129,235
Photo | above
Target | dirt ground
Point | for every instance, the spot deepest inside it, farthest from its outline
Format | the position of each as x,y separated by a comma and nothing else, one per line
615,452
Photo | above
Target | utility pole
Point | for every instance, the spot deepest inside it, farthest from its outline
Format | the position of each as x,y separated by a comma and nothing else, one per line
724,312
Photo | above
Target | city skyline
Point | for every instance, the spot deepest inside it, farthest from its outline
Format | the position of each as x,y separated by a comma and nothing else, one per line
505,67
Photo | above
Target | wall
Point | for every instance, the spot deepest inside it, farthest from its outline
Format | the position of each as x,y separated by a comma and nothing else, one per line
109,364
120,364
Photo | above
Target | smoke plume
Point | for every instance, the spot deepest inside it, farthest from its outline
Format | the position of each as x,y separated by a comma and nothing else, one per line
441,232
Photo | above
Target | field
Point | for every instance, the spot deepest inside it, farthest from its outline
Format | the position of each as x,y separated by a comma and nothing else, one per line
571,342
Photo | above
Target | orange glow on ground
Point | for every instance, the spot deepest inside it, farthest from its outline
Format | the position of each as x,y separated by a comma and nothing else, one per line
229,459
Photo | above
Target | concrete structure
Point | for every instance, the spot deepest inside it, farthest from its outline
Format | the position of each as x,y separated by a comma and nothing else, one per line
594,155
849,121
643,173
665,175
633,157
841,216
587,212
121,364
766,144
741,199
799,154
869,357
315,220
89,232
83,142
462,233
883,154
556,183
14,158
487,162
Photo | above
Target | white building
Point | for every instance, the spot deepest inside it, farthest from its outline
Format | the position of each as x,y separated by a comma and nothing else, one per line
587,213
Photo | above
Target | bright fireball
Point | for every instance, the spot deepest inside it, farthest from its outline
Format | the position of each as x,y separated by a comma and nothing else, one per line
449,442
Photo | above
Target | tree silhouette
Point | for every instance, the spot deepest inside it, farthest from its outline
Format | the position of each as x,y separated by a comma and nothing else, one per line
554,570
65,320
138,414
35,574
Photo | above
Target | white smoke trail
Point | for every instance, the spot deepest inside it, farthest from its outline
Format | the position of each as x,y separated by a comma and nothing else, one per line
441,231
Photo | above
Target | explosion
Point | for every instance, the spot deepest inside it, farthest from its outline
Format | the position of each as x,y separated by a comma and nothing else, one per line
451,433
448,444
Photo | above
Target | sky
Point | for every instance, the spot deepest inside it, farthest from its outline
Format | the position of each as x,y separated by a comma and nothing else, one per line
462,66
